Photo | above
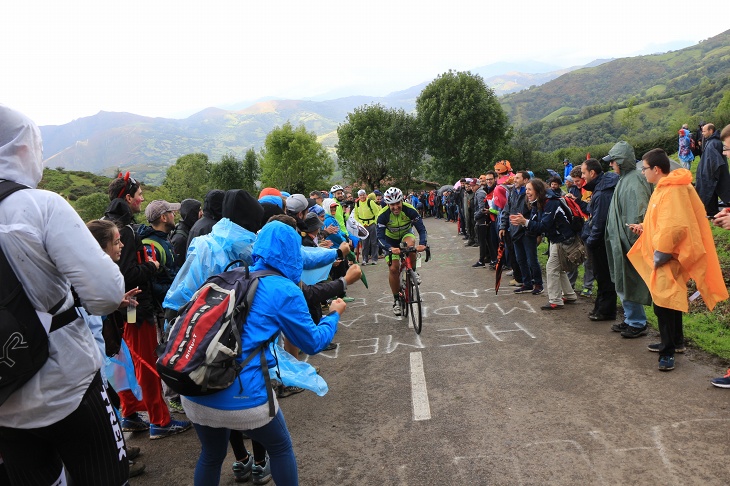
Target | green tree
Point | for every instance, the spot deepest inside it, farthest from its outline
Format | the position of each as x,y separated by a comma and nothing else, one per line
722,112
92,206
630,117
251,171
226,174
376,142
188,178
463,123
293,160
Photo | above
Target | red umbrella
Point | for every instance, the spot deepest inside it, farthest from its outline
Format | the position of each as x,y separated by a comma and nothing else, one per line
500,265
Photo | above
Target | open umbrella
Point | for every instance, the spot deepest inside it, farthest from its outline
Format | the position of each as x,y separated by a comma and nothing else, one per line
554,174
444,188
500,265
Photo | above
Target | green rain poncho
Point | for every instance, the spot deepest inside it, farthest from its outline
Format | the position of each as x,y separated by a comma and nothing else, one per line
628,206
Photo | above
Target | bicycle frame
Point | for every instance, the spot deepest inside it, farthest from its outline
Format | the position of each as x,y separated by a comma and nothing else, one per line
409,295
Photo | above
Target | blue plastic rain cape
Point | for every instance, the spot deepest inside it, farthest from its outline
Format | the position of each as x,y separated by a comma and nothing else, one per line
119,371
292,372
209,255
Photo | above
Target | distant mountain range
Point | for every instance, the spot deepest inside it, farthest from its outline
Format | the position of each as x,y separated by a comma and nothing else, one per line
107,141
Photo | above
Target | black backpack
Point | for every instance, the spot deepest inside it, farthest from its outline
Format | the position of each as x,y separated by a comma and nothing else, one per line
204,343
576,217
24,341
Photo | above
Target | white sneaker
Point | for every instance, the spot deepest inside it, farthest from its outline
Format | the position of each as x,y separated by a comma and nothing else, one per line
396,308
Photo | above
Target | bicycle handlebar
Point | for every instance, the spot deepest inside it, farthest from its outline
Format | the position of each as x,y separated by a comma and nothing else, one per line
407,250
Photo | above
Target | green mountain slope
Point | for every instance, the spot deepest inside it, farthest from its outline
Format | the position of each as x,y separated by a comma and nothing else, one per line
652,77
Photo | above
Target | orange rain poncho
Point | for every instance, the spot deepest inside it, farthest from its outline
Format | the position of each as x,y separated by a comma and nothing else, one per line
675,223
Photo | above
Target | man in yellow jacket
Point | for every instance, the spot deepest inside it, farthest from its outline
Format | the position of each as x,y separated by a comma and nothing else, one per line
675,244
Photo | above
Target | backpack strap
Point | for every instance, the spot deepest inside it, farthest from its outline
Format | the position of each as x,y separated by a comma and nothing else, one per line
69,315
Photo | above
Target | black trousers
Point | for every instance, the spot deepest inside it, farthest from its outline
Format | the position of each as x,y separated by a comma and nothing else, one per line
670,329
89,442
606,295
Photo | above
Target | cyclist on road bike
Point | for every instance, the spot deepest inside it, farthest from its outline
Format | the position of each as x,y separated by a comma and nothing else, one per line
395,225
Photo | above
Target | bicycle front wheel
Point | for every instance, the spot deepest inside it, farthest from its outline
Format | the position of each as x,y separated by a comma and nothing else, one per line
403,296
414,302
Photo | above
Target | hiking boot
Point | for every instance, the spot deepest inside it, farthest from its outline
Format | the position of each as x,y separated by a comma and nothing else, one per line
477,265
261,472
134,423
634,332
242,470
286,391
537,289
173,428
656,347
175,406
550,306
666,363
132,452
135,468
586,293
723,382
620,327
396,308
523,290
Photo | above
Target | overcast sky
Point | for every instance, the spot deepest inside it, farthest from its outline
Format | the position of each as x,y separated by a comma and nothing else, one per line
68,59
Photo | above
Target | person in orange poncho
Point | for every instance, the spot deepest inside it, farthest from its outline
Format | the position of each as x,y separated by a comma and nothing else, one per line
675,244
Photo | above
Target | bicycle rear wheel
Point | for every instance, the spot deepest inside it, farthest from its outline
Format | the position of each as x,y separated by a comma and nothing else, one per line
414,302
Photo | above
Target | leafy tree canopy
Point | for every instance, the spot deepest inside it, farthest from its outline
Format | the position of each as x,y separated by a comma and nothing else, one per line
251,171
227,174
188,178
463,123
375,143
293,160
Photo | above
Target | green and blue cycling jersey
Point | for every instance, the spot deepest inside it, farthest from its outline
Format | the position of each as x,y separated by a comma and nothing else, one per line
392,229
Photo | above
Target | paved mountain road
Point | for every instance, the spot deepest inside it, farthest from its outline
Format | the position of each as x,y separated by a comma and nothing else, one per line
494,391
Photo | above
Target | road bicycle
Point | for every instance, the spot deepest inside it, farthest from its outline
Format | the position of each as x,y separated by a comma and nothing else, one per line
409,295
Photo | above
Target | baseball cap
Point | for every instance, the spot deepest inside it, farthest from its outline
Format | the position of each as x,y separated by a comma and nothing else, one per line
157,208
296,203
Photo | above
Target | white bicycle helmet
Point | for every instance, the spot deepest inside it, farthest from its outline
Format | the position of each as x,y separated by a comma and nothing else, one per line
393,195
336,188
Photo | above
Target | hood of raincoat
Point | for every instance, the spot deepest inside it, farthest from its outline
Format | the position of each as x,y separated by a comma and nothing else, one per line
327,204
120,212
624,155
21,149
243,209
189,210
277,246
213,205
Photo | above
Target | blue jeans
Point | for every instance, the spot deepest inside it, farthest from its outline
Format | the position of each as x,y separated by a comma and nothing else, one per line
274,436
526,255
634,313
